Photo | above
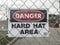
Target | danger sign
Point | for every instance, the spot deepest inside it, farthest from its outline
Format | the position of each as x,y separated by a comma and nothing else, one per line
28,15
28,23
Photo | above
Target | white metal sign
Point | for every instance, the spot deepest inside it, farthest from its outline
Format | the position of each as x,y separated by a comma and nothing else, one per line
28,23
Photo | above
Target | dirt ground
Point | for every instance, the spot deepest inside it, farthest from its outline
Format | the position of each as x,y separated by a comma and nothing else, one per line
53,39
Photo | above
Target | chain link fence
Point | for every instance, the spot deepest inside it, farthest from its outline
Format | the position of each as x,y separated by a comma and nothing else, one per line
52,7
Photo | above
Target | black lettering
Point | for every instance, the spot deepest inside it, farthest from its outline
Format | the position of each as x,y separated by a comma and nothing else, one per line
21,32
31,31
13,26
27,25
40,26
36,32
43,25
35,25
18,25
22,25
26,31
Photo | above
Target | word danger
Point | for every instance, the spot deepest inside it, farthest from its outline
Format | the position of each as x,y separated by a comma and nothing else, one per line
28,25
32,15
28,15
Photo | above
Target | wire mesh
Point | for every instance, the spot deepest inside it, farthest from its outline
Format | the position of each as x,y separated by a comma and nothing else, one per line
52,7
